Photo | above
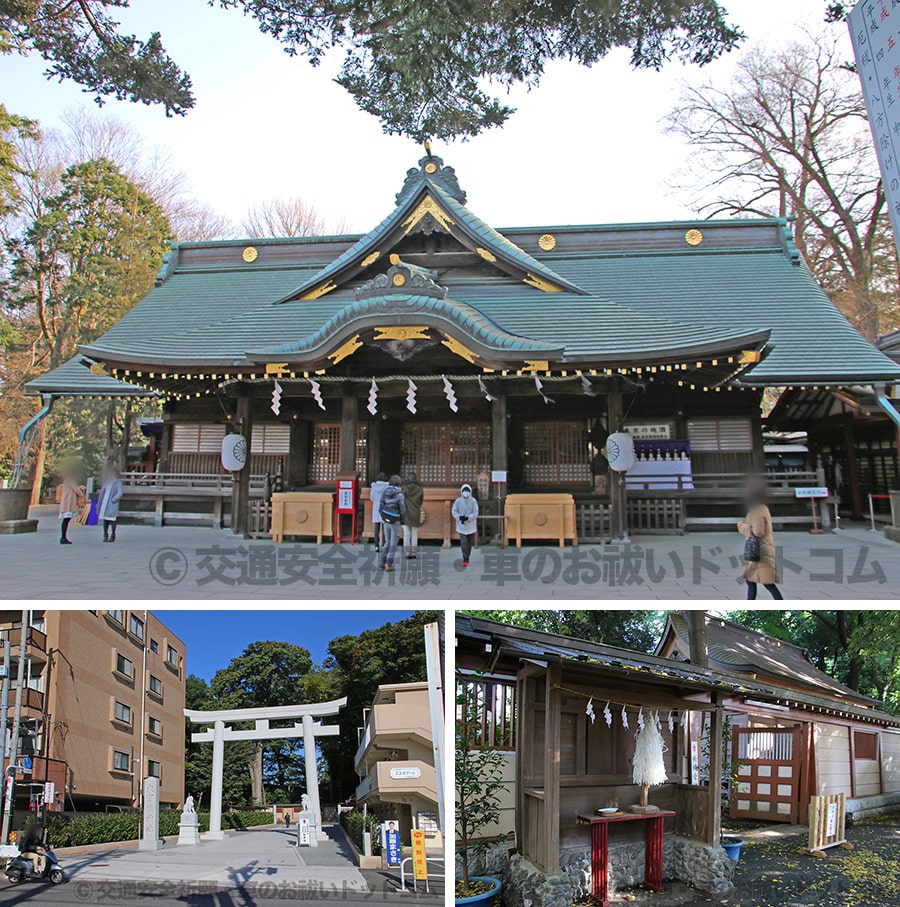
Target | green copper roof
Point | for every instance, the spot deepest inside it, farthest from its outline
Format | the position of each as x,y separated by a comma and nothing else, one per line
75,379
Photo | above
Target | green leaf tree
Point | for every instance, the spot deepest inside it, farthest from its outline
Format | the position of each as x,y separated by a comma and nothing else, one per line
423,68
81,41
265,674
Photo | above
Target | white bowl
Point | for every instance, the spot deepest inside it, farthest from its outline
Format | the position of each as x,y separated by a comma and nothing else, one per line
607,810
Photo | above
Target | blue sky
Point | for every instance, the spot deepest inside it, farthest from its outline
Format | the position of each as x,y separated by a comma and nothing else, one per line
213,637
586,147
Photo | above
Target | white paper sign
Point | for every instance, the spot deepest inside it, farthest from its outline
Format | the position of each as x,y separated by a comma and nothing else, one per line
831,822
875,32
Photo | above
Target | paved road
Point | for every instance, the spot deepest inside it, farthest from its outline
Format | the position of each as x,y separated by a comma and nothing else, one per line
178,562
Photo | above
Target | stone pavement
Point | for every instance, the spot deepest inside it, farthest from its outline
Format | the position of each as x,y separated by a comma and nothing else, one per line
266,860
176,562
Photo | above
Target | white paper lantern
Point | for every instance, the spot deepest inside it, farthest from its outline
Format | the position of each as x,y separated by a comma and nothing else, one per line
620,451
234,452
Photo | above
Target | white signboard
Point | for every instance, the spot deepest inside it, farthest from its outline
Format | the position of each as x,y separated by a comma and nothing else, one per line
498,475
811,492
875,32
303,832
646,431
831,822
345,499
49,793
411,771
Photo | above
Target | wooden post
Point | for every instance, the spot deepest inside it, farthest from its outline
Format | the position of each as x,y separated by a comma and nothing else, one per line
552,725
853,468
240,496
615,481
499,440
297,475
714,826
349,430
373,450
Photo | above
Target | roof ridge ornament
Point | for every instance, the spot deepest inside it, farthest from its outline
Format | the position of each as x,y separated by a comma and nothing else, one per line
431,170
404,278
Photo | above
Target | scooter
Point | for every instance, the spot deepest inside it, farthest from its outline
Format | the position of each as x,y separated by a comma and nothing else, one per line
21,869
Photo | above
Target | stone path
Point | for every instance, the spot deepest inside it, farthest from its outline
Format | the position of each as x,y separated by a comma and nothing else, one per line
177,562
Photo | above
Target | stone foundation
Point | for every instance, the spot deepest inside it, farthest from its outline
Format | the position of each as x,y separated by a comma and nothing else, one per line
524,885
880,805
14,527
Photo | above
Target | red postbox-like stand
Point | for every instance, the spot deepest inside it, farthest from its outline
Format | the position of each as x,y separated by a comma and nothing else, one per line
346,511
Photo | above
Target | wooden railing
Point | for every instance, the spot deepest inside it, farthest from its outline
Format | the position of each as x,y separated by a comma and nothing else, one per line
152,483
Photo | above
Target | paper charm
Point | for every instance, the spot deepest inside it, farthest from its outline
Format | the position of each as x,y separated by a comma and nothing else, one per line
316,389
450,394
276,398
607,714
587,387
684,719
373,398
411,397
589,711
540,389
484,390
671,722
640,719
624,717
656,720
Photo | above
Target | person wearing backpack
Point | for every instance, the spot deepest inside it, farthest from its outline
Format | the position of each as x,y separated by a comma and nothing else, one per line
393,513
465,510
414,496
375,492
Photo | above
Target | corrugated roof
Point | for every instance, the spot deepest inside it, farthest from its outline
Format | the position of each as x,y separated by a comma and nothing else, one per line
75,379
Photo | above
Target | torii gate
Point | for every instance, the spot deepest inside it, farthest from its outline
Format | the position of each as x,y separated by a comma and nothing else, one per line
304,727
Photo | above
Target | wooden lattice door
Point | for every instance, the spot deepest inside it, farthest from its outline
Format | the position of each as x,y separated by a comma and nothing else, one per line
768,774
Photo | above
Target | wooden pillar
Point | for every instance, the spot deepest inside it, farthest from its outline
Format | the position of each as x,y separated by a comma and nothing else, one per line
165,447
499,439
297,474
349,431
616,480
373,449
552,724
240,495
853,468
714,806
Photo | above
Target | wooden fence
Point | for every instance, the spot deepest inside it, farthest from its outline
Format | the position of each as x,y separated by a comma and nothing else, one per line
827,824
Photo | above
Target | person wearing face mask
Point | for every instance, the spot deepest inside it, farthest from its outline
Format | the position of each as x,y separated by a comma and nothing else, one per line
465,510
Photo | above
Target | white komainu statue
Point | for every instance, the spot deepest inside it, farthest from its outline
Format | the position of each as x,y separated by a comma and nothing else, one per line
189,804
305,803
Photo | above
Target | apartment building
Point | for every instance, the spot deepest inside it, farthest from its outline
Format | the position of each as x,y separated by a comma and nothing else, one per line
104,700
395,760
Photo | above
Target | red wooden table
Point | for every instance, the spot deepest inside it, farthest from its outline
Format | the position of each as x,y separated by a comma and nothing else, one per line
653,855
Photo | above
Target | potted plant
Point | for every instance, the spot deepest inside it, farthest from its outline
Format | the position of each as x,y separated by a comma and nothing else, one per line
479,780
649,764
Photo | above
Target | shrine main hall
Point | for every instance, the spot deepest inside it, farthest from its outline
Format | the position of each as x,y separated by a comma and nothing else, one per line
439,345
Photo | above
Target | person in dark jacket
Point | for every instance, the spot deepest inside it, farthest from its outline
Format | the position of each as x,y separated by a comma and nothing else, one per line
414,495
393,513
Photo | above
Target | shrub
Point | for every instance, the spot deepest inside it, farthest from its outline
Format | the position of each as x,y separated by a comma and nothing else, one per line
355,823
105,828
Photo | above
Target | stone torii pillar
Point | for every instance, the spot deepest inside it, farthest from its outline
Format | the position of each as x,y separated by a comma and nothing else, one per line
304,725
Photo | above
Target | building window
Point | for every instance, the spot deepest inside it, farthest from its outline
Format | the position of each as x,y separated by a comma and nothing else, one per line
124,666
491,704
117,616
731,435
193,437
865,745
154,769
171,656
154,646
123,712
120,761
556,453
156,685
271,439
154,726
446,453
136,627
326,452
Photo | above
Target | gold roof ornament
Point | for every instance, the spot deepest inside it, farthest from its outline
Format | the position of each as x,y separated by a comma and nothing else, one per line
402,333
539,284
277,369
250,254
373,256
693,237
535,365
547,242
428,206
348,349
487,256
326,287
456,347
750,357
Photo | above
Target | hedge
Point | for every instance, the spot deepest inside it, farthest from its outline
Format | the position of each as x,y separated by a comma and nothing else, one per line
105,828
355,823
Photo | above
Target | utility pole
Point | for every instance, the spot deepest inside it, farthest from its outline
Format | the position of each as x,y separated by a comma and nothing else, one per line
17,721
4,710
436,708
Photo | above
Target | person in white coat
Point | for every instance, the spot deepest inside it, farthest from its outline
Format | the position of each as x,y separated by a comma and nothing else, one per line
108,502
376,490
465,510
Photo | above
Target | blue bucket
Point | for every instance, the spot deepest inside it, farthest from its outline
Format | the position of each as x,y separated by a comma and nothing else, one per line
732,846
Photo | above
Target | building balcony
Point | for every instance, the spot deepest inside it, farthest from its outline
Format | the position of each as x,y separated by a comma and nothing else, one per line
394,725
397,781
35,641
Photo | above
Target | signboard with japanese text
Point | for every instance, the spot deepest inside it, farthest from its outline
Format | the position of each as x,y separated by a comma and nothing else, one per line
303,833
819,492
420,863
646,431
392,843
875,33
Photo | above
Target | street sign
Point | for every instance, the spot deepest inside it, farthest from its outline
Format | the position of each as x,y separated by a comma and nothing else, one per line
27,763
392,844
49,793
811,492
420,862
